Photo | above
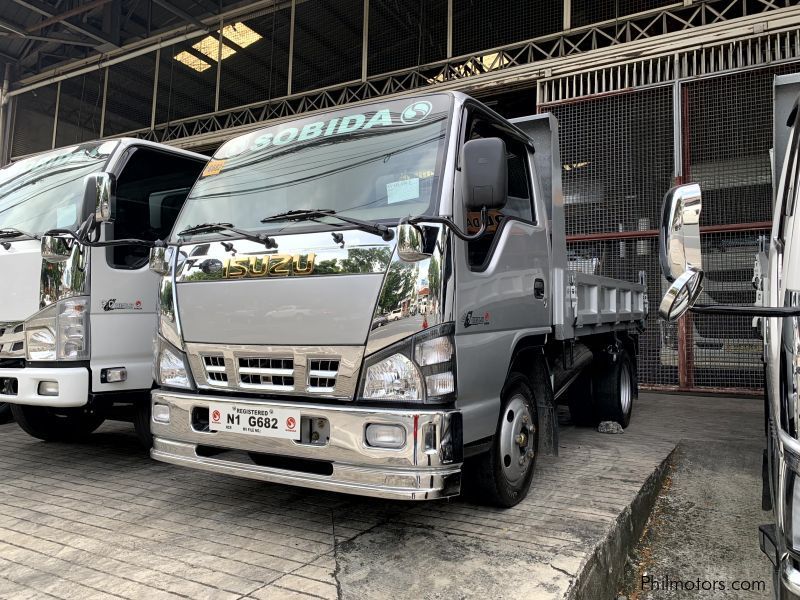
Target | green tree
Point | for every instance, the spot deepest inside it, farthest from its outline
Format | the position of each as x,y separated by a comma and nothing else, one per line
399,284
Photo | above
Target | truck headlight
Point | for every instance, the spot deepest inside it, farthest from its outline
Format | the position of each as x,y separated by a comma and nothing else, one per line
59,332
420,369
170,366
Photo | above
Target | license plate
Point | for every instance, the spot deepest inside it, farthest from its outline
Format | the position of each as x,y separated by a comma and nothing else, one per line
250,420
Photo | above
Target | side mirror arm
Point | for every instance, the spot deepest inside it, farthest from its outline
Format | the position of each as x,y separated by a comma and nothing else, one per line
746,311
457,231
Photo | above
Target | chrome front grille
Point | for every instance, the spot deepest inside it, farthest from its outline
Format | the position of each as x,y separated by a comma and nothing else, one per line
12,340
322,374
317,371
272,374
215,368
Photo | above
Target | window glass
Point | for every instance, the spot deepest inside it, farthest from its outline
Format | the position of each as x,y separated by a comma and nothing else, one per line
378,162
519,203
150,193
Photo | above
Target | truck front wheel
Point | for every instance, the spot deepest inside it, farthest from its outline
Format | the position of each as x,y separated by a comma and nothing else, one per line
56,425
503,476
5,413
141,423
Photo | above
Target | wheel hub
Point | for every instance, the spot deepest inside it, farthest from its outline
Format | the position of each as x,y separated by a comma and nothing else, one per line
517,435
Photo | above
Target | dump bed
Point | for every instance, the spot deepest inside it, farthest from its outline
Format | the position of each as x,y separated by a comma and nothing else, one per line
582,304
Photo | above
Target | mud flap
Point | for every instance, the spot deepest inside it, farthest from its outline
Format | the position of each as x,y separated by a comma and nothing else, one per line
548,422
546,407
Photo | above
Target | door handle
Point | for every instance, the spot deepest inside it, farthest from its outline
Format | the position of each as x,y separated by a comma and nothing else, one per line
538,288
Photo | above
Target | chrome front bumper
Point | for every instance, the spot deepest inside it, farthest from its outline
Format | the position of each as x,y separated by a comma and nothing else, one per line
427,467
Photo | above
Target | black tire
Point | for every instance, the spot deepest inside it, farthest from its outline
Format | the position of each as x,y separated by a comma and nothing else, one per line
616,387
490,478
56,425
141,423
580,398
5,413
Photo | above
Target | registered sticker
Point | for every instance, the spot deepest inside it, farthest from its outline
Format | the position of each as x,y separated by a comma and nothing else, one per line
254,420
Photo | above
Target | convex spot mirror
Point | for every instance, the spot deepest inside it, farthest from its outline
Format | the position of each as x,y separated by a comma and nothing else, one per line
484,173
681,295
100,194
679,250
56,248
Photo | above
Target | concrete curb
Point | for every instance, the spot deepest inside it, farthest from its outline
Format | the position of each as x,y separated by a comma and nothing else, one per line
601,574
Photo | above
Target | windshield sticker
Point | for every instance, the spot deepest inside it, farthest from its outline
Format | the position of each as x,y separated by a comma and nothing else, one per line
214,167
66,216
401,191
415,112
410,115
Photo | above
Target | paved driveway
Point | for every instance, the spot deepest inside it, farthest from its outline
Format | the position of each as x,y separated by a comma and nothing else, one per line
102,520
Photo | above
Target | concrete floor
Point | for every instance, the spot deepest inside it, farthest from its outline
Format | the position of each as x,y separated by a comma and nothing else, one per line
701,539
101,520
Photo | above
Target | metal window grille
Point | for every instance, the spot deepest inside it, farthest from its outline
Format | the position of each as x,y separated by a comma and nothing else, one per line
186,85
260,70
405,33
586,12
34,119
129,95
327,43
484,24
80,109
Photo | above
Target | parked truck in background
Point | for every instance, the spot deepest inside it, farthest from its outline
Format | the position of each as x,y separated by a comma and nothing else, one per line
78,309
777,312
299,236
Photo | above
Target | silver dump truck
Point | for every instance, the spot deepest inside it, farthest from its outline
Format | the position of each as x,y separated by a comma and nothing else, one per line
377,300
77,309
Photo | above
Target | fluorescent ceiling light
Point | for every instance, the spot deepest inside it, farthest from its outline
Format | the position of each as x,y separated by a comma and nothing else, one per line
191,61
238,33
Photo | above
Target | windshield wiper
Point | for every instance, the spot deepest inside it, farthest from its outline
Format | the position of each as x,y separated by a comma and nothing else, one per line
259,238
13,232
315,214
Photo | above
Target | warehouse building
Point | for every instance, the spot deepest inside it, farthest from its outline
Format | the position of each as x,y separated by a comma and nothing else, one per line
647,92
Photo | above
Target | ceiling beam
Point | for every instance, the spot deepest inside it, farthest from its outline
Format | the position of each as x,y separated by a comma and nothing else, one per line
38,7
182,14
57,18
47,38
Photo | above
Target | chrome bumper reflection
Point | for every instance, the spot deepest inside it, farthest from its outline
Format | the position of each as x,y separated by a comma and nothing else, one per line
428,467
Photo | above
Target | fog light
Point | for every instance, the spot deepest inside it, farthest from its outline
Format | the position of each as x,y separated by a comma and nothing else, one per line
160,413
48,388
113,375
385,436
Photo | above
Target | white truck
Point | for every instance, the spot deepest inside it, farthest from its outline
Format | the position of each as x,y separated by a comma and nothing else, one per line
298,236
777,313
78,308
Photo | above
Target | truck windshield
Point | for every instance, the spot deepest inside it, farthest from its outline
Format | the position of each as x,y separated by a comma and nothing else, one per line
377,162
46,191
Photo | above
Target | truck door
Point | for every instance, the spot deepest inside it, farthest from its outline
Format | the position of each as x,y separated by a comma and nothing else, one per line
152,185
503,281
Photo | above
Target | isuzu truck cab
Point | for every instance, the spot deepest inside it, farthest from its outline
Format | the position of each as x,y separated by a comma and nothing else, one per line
377,300
77,315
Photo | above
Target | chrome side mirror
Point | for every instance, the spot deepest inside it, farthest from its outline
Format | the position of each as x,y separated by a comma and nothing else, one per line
100,193
411,244
159,261
679,239
679,250
56,248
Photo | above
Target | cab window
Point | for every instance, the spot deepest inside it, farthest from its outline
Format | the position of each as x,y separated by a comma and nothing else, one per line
519,203
150,193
